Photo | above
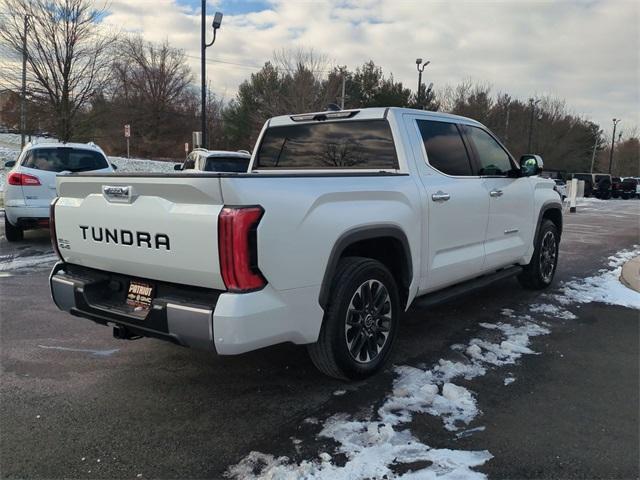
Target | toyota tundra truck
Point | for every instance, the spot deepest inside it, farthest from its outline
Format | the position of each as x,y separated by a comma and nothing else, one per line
343,220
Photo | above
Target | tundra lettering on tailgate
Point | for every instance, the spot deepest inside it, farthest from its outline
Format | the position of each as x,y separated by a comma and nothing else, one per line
126,237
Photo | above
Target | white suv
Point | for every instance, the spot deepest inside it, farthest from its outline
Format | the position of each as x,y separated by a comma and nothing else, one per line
31,183
202,160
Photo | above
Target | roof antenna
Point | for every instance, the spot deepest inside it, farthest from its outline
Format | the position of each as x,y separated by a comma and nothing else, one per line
332,107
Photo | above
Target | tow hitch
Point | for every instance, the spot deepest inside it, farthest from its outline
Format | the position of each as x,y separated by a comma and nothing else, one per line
121,333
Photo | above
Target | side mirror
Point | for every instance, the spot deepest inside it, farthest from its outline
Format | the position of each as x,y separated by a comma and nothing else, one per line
177,166
10,164
115,167
531,165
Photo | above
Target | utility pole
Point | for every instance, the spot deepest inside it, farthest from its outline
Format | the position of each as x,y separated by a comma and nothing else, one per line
613,142
506,123
217,21
343,88
23,99
532,105
420,66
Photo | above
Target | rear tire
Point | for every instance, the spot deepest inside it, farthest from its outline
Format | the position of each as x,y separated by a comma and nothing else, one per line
538,274
361,321
13,233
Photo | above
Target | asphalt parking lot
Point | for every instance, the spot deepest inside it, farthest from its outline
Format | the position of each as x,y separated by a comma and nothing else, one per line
76,403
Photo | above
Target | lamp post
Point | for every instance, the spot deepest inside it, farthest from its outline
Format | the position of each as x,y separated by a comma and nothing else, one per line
613,142
532,105
217,21
420,66
595,145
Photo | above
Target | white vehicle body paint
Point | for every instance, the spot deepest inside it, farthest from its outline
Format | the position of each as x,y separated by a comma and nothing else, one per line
306,215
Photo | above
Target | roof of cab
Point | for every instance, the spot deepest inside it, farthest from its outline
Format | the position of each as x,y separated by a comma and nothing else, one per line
54,144
222,153
371,113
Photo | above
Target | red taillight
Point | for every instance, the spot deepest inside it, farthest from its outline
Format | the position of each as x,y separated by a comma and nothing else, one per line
23,179
237,246
52,227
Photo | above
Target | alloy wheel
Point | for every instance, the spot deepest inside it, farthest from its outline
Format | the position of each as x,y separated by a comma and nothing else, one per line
368,321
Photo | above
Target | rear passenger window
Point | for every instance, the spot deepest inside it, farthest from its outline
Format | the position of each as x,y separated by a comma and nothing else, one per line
329,145
445,149
60,159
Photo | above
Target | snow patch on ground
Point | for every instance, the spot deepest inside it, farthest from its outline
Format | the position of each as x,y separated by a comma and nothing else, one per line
141,165
553,311
605,286
374,446
9,262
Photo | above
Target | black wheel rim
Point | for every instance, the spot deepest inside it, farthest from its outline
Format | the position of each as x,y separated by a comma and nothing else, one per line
548,256
368,321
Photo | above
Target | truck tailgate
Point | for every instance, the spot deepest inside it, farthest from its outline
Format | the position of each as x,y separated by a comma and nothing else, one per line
162,227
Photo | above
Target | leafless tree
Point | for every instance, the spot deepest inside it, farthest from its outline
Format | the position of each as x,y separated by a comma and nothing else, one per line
68,58
152,91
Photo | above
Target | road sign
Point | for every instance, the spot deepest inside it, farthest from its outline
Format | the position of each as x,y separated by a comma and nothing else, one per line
127,130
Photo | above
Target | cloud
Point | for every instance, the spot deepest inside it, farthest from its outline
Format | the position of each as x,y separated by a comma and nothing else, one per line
584,52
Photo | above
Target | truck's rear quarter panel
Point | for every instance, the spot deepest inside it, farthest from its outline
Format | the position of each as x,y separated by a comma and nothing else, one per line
305,215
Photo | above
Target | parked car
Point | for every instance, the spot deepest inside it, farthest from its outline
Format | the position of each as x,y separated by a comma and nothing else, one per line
595,184
616,187
561,188
31,182
202,160
343,221
630,187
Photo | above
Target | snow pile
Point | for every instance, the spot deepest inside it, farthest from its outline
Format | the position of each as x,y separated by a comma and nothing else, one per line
141,165
373,447
604,287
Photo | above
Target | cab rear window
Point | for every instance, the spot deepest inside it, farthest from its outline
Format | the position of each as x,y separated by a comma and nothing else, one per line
64,159
365,144
226,164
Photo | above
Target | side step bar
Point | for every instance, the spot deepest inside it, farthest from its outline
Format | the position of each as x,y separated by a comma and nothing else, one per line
441,296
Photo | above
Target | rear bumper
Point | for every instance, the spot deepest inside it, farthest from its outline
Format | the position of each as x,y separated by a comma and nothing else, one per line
190,316
27,217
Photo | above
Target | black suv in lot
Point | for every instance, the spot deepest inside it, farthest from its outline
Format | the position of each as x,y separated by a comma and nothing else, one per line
625,188
596,184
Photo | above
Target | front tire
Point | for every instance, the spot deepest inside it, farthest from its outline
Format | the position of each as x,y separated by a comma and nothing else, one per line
12,232
360,323
538,274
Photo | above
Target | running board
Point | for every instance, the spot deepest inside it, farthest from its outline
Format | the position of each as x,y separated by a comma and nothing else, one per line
441,296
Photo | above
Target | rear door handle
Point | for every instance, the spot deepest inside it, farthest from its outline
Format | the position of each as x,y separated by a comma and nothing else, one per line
440,196
495,193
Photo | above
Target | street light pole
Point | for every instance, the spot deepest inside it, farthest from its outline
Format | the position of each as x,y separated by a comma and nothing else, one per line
344,81
420,66
613,142
532,104
217,20
23,96
593,155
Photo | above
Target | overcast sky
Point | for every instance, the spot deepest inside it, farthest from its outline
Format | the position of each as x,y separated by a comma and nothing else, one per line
586,52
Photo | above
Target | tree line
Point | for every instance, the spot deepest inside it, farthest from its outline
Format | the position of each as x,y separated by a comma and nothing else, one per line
84,85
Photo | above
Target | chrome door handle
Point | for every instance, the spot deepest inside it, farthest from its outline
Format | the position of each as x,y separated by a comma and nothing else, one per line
495,193
440,196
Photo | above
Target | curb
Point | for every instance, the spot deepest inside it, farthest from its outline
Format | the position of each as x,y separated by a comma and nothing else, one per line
630,275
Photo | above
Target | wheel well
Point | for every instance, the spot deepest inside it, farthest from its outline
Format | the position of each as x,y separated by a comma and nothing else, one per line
391,253
555,216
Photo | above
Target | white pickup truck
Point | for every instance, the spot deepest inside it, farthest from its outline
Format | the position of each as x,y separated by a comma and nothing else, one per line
343,221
